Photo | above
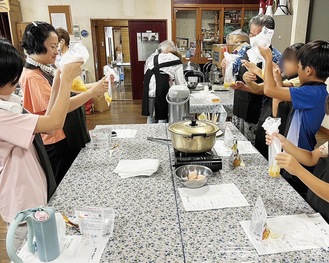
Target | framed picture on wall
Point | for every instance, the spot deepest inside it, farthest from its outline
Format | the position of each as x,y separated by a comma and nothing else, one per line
60,16
182,43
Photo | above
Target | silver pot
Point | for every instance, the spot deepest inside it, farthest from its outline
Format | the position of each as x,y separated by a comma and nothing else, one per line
193,136
216,77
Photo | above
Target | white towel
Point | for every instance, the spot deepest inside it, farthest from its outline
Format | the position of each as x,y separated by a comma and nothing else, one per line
131,168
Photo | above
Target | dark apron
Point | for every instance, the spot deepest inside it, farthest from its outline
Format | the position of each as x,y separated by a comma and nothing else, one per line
321,171
285,112
45,164
75,127
260,142
247,106
162,87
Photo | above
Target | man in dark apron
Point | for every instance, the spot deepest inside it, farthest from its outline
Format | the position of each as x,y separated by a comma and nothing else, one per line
249,108
160,70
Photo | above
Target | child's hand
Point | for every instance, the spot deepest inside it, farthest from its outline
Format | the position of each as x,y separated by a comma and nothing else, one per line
266,53
71,70
249,77
277,74
289,163
269,139
252,67
100,87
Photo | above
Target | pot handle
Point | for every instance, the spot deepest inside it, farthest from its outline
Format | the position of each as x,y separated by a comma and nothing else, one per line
204,135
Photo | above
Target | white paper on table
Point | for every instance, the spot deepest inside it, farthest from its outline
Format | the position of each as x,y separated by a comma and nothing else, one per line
292,233
245,147
74,249
125,133
203,97
131,168
212,197
221,149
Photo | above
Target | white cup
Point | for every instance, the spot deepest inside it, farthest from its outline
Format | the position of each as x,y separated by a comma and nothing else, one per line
206,88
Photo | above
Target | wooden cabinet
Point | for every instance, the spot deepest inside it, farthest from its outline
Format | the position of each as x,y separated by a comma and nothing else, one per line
21,29
10,14
196,27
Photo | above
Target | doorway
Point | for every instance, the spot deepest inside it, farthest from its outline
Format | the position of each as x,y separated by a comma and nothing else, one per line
144,37
111,47
125,45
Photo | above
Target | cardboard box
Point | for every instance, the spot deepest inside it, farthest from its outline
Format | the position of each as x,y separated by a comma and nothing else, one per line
218,52
100,104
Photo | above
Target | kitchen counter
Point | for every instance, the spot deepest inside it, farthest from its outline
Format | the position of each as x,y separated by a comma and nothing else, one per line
151,224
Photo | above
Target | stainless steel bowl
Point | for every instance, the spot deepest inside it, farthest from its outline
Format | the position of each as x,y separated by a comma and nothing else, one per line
193,176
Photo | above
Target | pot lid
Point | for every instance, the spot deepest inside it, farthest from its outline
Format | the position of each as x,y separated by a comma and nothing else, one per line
188,128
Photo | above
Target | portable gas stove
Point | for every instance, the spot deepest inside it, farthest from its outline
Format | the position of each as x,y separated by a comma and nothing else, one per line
209,159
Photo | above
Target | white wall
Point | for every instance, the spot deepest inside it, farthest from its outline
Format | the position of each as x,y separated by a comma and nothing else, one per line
83,10
300,11
319,28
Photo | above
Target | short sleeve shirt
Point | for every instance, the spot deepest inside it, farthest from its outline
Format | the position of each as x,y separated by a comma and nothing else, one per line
309,109
23,183
36,96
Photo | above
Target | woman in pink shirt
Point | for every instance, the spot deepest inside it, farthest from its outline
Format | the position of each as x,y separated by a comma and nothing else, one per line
23,178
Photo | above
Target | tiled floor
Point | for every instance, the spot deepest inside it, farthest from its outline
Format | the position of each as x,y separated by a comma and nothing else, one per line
121,112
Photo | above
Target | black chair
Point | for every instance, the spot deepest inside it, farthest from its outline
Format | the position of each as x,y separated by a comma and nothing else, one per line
206,69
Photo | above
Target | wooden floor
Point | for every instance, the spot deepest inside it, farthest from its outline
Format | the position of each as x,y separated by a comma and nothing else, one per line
123,92
122,112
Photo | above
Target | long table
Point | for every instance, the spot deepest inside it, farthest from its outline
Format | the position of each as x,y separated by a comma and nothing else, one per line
226,100
151,224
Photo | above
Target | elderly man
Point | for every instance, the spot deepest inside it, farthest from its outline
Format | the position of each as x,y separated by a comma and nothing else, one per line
251,107
162,68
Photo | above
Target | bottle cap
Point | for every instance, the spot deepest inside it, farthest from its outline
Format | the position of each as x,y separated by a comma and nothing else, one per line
41,215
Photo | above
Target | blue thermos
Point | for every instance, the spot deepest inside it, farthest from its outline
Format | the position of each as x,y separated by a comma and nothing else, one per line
41,223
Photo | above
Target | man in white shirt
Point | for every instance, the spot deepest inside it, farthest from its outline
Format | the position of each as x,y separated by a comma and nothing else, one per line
161,70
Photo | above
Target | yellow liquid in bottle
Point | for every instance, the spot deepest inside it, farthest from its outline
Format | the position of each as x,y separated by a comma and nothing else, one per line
228,85
78,85
274,170
108,98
